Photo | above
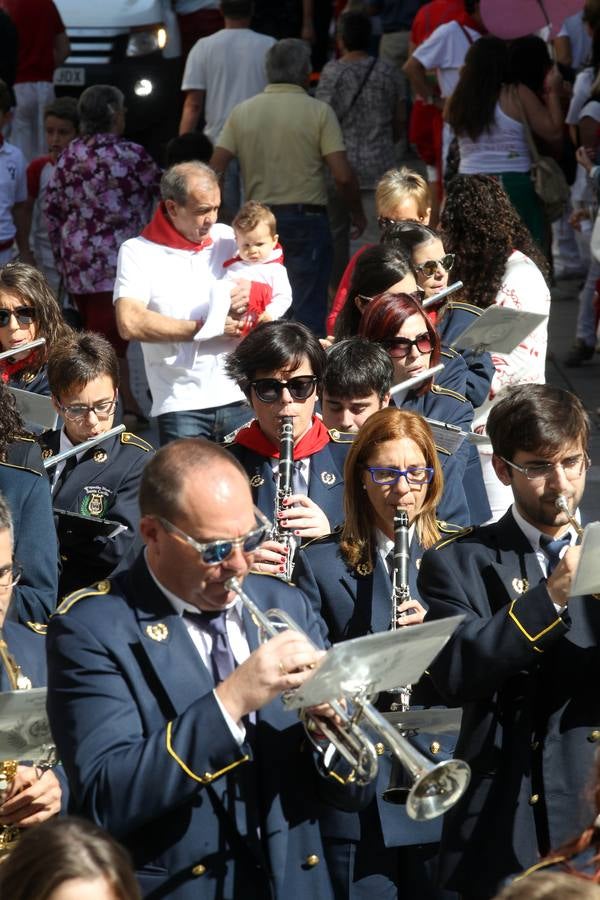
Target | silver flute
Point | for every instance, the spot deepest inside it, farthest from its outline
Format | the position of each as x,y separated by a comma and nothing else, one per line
6,354
400,593
80,448
284,490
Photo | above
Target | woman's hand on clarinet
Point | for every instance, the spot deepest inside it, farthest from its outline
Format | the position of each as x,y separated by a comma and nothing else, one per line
410,613
303,518
270,559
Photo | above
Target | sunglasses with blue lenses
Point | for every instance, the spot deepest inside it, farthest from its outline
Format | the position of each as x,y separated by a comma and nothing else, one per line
215,552
24,315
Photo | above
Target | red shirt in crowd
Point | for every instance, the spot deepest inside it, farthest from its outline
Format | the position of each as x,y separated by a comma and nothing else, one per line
38,22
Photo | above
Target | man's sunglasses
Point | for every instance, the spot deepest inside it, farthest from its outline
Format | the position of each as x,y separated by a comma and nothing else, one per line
268,390
214,552
24,315
430,266
400,347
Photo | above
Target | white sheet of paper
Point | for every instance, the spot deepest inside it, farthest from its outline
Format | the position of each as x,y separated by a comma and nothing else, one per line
24,727
449,437
376,662
587,576
35,409
399,391
499,329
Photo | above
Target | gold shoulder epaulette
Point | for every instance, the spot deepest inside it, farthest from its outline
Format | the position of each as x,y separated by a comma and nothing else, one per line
38,627
102,587
23,437
468,307
230,438
127,437
322,537
462,532
342,437
22,468
543,864
442,450
450,352
449,527
442,390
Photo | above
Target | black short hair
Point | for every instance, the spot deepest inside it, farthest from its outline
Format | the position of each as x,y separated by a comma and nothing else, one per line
80,359
188,147
354,30
408,234
355,368
237,9
272,346
63,108
537,418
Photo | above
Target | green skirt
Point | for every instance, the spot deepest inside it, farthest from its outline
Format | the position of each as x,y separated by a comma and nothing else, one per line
519,187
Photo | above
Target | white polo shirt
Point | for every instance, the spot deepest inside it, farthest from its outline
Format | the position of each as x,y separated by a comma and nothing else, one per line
184,284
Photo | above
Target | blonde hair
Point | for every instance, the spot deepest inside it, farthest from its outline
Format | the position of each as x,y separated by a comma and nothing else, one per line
390,424
399,185
252,214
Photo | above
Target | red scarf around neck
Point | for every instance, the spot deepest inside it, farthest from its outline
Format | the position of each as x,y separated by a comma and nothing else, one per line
8,369
160,230
255,439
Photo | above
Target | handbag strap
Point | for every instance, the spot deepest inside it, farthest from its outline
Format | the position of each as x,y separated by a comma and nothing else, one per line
360,88
535,153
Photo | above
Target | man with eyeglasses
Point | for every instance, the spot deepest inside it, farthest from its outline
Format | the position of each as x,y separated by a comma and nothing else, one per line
101,482
35,793
525,662
280,367
166,707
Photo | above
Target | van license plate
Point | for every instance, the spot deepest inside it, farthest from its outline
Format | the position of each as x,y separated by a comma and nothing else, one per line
70,76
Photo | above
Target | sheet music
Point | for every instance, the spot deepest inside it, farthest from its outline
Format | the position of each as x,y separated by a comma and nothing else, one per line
587,576
499,329
24,727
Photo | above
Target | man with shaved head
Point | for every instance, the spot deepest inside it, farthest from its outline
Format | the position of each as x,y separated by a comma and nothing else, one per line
168,296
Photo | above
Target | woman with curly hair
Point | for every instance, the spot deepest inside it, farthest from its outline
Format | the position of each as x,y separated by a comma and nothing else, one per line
499,88
499,263
28,310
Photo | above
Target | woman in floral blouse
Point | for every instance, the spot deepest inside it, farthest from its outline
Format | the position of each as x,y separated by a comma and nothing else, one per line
101,193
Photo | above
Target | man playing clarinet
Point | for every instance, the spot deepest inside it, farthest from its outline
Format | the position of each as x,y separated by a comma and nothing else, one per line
102,482
525,662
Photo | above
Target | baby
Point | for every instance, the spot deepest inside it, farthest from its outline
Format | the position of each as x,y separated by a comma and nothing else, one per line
260,260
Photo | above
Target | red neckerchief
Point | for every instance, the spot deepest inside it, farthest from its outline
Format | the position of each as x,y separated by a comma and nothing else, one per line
8,369
238,258
160,230
469,22
255,439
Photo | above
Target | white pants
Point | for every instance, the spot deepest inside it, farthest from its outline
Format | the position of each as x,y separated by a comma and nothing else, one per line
27,130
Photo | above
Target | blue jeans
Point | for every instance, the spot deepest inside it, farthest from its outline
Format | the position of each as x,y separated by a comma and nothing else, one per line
308,251
213,423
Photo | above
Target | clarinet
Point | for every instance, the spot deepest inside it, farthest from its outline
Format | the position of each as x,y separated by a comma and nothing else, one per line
400,594
284,490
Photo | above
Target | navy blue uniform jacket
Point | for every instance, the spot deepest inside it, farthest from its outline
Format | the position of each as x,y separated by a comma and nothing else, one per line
354,605
104,483
150,757
325,479
28,496
528,683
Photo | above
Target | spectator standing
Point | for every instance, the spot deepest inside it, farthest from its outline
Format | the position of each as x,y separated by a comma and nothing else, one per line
285,141
43,45
213,86
196,19
100,194
366,95
13,192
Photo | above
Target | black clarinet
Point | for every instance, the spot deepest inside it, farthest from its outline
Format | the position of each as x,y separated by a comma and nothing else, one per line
400,593
284,490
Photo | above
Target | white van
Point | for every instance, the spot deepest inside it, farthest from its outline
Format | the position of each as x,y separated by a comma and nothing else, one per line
134,45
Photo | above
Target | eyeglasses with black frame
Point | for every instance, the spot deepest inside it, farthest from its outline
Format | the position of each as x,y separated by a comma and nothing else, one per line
10,575
215,552
76,412
430,266
269,390
400,347
390,475
24,315
572,466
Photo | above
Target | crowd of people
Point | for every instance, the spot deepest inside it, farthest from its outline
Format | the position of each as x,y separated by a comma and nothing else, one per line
337,453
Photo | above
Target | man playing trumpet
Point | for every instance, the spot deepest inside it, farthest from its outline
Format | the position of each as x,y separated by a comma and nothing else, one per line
167,710
524,664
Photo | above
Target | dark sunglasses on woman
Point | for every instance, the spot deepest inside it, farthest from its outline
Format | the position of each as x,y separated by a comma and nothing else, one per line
24,315
301,387
430,266
400,347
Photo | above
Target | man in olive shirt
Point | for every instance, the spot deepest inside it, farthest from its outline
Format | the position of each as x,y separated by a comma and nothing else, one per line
285,141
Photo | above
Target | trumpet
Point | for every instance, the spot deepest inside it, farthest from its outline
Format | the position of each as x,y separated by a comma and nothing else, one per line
284,490
562,503
435,788
9,834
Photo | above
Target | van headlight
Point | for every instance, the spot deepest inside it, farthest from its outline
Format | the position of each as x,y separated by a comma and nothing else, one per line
146,40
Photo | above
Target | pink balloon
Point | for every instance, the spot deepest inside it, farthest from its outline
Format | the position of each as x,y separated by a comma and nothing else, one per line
516,18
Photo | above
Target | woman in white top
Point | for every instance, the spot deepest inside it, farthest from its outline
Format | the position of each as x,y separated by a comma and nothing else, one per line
498,263
495,90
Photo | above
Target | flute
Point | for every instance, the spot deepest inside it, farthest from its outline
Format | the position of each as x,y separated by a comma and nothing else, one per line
6,354
451,289
80,448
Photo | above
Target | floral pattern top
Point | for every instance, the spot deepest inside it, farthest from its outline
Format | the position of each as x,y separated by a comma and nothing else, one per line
100,194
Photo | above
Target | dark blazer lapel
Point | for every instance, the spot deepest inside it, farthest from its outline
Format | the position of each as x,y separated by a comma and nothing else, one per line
519,568
166,643
260,473
86,472
372,606
324,477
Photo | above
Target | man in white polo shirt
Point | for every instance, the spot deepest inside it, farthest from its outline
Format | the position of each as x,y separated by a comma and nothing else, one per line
168,296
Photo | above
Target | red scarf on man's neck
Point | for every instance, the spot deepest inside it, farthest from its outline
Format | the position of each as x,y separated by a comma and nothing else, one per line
255,439
160,230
